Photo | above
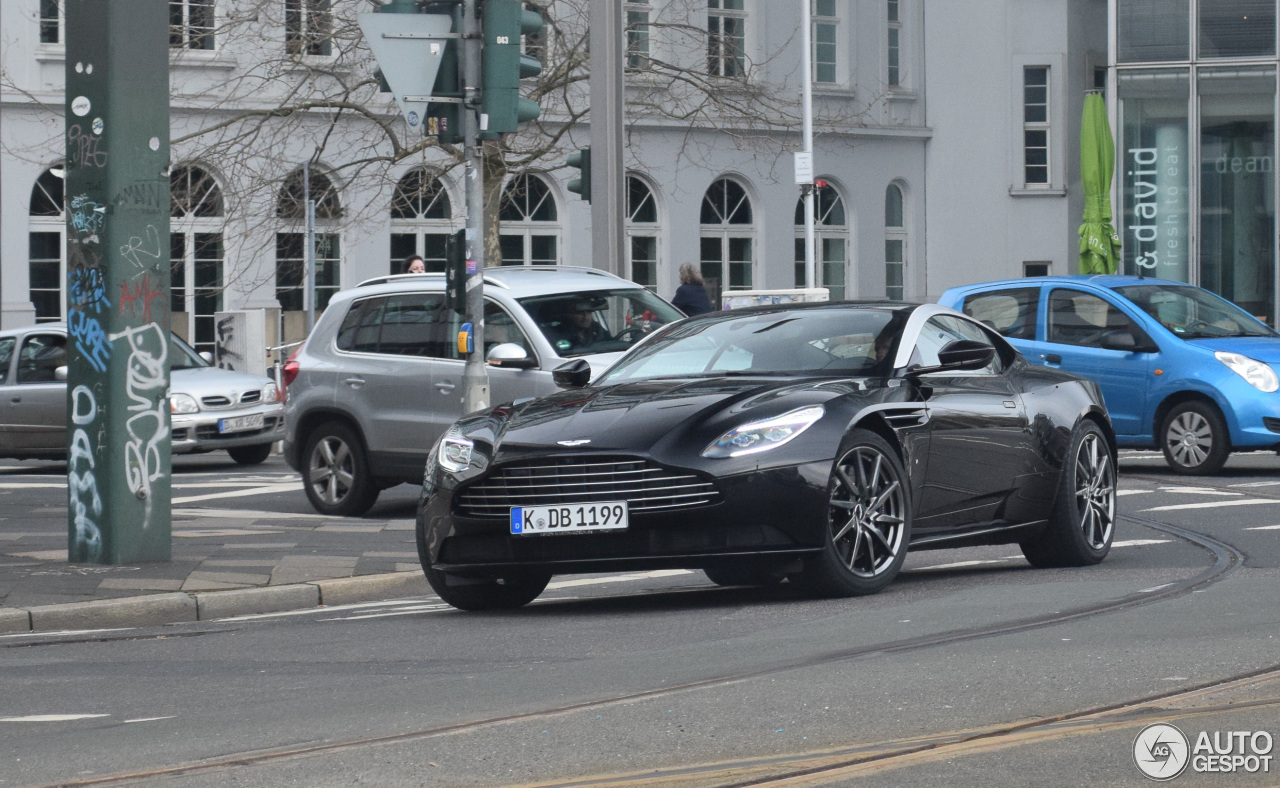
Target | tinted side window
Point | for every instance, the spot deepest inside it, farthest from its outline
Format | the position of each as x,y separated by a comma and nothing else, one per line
361,326
940,331
1078,318
41,355
417,324
1012,313
6,356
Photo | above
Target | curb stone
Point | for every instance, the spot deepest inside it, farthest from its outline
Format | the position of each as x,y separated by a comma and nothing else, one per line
180,607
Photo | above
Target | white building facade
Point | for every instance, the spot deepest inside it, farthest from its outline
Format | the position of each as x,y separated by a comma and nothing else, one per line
947,139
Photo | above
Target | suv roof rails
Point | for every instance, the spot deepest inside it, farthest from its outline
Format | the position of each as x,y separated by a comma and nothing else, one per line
429,276
582,269
433,275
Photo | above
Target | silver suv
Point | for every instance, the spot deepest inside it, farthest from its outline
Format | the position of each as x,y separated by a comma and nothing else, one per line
380,377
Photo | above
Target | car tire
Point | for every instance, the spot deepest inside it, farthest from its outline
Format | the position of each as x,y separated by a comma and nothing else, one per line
251,455
506,593
744,574
335,473
1082,521
1195,439
868,521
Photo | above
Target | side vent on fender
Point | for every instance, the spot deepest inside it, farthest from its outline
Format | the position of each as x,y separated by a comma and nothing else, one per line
901,418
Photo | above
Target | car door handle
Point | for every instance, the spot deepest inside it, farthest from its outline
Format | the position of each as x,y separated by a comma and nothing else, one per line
1010,403
1053,358
354,383
445,387
16,400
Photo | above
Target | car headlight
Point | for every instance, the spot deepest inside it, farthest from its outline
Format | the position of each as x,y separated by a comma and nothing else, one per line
270,393
454,454
764,435
183,403
1258,375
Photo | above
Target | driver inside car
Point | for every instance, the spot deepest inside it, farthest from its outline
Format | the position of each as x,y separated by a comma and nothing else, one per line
578,328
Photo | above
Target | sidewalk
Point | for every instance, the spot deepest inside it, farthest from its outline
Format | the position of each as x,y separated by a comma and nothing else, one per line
225,562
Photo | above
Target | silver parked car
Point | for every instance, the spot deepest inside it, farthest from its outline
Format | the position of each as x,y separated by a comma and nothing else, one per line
212,409
380,377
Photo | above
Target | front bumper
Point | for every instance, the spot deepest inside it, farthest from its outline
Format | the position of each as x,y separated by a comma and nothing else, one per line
198,432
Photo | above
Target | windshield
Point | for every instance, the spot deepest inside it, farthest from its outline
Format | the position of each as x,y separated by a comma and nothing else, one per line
183,356
1193,313
598,321
822,341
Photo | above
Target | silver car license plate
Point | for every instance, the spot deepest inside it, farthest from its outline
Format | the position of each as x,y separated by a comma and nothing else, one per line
253,421
610,516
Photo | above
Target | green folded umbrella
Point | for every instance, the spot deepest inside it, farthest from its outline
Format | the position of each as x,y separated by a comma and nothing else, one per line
1099,243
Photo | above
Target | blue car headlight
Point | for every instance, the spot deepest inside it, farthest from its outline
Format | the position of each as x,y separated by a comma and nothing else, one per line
759,436
1259,375
454,454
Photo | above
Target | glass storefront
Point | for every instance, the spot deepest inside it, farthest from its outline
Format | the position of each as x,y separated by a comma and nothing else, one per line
1196,144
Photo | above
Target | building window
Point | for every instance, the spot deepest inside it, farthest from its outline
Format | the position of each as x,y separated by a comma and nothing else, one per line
421,221
1237,28
1037,268
527,216
894,44
642,233
308,27
825,27
196,280
50,22
45,247
831,232
637,34
191,24
895,244
291,258
298,189
1035,125
1153,30
726,38
728,234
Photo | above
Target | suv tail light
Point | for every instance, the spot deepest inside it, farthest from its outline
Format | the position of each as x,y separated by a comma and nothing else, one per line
291,368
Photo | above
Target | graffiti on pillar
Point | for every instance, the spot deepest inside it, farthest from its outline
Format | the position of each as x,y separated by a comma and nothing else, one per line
224,352
86,299
87,217
136,298
147,367
86,504
83,149
139,248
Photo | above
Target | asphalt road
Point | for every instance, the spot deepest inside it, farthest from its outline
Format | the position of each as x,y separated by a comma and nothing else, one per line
971,669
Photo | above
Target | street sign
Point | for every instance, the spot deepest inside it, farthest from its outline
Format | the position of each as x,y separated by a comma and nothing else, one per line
804,168
409,49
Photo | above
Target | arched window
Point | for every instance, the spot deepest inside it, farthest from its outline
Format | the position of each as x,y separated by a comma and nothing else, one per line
642,231
895,244
195,254
727,237
529,222
291,243
46,246
831,239
421,220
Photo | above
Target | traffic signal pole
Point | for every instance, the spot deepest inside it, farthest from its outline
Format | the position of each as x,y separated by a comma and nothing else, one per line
475,375
608,183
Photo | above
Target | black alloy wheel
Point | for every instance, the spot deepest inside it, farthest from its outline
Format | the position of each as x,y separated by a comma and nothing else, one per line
251,455
868,521
1195,439
1082,522
335,473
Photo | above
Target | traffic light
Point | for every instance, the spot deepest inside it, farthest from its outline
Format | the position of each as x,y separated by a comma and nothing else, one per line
444,119
504,66
581,185
455,272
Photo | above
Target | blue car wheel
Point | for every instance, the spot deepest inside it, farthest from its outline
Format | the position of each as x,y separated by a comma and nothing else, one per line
1195,439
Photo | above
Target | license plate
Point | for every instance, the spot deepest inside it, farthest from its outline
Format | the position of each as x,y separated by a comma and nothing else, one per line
241,423
576,517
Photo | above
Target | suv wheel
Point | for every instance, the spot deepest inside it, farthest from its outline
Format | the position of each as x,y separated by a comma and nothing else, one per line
335,473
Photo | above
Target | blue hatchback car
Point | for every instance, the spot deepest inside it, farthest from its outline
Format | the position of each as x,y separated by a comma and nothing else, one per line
1179,367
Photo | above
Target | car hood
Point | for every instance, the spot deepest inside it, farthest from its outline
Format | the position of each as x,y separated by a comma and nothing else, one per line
637,416
1266,349
212,381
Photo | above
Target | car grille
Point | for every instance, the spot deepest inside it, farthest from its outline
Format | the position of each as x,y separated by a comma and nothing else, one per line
1271,424
645,486
220,401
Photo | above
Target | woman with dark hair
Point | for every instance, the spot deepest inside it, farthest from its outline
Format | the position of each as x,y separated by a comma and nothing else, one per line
413,264
691,296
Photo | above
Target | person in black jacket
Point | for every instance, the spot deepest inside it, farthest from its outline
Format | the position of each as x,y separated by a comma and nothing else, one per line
691,296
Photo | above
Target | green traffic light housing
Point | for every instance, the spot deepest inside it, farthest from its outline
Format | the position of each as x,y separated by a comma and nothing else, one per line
581,185
505,21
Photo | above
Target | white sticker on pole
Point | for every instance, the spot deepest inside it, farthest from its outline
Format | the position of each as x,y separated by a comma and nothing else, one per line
804,168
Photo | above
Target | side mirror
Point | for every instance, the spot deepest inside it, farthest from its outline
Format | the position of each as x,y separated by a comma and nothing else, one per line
960,355
574,374
60,373
509,355
207,356
1123,339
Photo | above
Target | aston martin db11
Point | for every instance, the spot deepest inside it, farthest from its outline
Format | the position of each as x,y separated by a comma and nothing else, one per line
814,444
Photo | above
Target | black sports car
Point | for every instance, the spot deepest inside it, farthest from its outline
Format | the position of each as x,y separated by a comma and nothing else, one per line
813,443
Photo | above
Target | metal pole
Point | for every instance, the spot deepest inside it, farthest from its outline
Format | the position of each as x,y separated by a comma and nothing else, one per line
608,187
806,44
309,258
475,375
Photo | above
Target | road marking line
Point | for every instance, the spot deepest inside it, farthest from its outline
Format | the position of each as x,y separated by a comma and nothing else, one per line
1213,504
1254,484
152,719
1134,492
1139,542
244,514
1197,491
53,717
1155,588
270,488
590,581
959,564
1264,528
